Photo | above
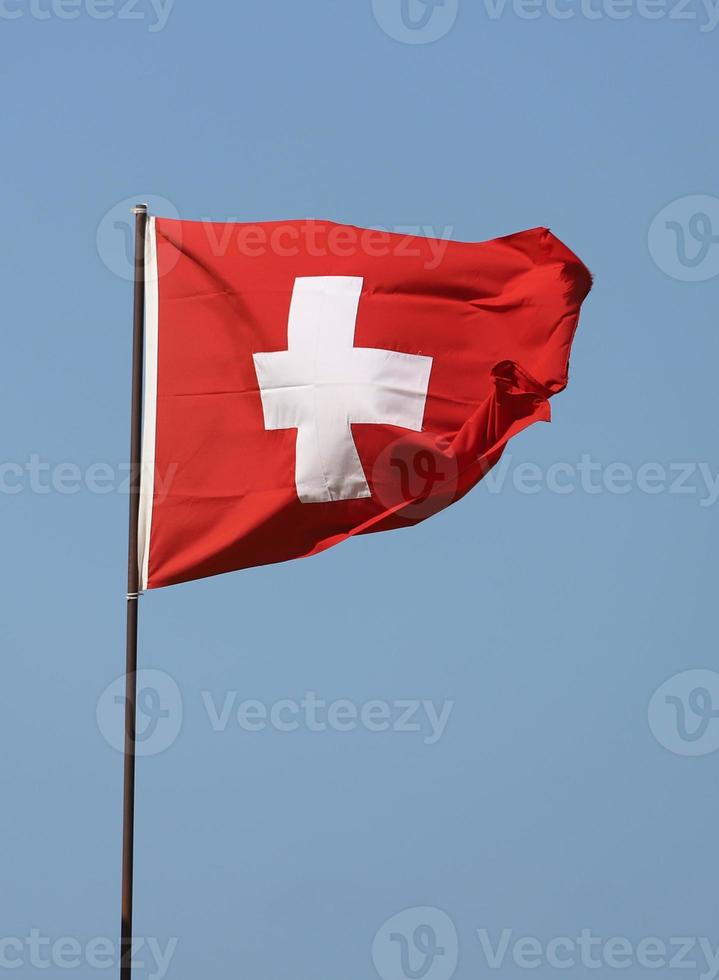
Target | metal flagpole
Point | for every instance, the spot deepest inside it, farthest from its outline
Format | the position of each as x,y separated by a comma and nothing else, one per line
133,595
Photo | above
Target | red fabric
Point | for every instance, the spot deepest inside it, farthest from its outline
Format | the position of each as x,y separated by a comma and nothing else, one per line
497,318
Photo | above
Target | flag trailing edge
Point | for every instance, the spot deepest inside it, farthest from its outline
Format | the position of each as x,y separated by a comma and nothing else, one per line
296,394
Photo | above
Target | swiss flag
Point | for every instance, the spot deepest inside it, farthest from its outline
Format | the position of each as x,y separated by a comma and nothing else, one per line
307,381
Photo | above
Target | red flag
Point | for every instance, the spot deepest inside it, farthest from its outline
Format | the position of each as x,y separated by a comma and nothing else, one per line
307,381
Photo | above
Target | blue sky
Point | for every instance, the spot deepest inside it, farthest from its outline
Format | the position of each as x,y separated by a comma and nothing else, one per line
559,795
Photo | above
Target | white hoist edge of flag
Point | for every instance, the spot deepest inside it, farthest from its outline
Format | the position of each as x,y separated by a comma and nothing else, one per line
149,414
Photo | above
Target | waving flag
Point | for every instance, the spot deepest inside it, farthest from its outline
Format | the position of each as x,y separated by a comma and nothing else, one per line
307,381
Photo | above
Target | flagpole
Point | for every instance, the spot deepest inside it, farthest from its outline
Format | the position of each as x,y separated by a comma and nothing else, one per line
133,595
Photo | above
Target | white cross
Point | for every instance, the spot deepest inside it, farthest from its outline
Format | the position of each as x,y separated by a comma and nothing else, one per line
322,385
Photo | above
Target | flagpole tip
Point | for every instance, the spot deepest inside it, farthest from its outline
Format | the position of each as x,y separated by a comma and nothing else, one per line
139,209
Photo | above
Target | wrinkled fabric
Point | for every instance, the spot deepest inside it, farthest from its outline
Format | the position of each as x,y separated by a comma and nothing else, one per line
497,318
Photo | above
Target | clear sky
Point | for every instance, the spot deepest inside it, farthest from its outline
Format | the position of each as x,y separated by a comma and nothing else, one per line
554,799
